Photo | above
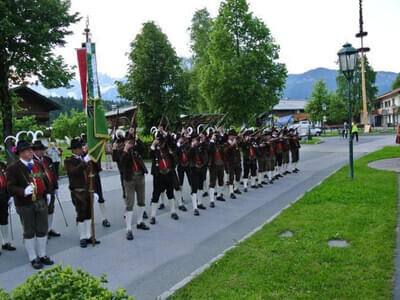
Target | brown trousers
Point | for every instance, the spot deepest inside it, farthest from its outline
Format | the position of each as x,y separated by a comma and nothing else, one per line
81,200
134,188
34,218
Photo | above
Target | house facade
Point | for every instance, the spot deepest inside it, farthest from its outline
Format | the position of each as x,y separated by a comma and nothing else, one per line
386,109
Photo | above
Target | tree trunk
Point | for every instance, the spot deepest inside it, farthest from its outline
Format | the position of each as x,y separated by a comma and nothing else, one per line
6,114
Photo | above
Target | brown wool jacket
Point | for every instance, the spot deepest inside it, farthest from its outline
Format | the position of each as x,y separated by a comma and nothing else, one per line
76,170
18,180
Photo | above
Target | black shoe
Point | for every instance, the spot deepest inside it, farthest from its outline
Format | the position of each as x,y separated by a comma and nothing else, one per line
205,194
280,175
8,247
152,221
142,226
106,223
271,182
237,191
264,182
241,182
245,190
265,176
145,216
297,170
162,206
53,233
83,243
212,204
215,193
174,216
201,206
36,263
89,241
260,185
46,261
220,198
182,207
129,235
233,196
254,187
196,212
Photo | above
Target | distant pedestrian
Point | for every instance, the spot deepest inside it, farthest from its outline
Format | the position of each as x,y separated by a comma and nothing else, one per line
345,130
55,156
398,134
109,151
354,131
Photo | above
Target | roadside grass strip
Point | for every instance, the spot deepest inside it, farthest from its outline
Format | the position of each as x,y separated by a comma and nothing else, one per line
363,212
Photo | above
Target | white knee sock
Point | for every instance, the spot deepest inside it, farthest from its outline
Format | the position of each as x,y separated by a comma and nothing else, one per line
41,246
102,211
230,189
200,197
162,198
4,234
173,206
153,209
212,190
88,228
260,177
82,230
178,197
30,248
50,221
128,220
140,211
194,201
245,182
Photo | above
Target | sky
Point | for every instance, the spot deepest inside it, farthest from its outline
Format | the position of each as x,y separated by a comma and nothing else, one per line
309,32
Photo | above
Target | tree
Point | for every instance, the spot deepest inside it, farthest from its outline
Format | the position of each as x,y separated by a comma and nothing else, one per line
396,82
29,32
199,39
319,97
243,76
153,77
336,111
356,92
71,125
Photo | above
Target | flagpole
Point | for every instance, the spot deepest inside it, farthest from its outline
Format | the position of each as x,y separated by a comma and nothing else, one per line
91,163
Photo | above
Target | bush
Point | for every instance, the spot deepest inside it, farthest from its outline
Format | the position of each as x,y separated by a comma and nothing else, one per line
65,283
4,295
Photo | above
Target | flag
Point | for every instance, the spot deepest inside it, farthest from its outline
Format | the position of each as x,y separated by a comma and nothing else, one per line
82,65
97,129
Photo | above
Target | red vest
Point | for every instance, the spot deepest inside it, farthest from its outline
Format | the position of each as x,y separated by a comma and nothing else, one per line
252,152
36,177
184,158
49,174
136,166
164,164
3,179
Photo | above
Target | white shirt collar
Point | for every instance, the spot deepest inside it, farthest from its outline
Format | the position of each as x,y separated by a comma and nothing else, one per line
26,162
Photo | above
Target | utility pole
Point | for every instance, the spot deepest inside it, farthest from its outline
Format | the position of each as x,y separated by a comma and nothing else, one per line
363,50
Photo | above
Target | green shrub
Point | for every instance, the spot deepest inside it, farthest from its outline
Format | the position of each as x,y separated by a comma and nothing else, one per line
64,283
4,295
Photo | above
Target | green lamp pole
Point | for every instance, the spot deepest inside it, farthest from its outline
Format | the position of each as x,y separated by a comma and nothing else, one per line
347,63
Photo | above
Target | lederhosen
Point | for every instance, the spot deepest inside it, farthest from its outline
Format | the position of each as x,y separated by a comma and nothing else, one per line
4,195
163,177
249,159
286,149
279,152
234,162
271,158
204,153
261,155
216,164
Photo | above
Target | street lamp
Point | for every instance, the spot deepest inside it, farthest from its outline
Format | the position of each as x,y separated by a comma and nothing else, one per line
347,63
323,117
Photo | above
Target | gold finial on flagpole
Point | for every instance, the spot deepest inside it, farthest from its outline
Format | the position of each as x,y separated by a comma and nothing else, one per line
87,30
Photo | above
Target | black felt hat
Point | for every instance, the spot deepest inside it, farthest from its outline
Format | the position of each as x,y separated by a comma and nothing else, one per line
22,145
38,145
75,144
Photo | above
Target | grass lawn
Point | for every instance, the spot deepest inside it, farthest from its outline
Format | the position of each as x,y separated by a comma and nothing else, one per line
266,266
313,141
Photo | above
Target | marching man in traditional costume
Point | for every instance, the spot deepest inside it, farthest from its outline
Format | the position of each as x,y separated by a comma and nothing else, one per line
5,202
78,175
28,184
48,167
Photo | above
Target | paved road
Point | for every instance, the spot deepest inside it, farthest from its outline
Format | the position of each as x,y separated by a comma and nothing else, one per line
158,259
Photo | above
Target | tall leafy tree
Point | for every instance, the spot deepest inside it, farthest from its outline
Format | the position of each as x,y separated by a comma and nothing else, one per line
29,31
319,97
153,79
243,76
356,92
396,82
200,30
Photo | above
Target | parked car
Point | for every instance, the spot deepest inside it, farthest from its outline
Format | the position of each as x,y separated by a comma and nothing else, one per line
304,127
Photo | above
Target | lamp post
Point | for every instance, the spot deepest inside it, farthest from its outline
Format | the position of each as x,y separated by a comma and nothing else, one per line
347,63
323,117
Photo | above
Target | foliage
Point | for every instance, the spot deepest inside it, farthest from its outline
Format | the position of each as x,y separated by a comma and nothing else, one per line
29,31
70,125
66,283
396,82
362,211
154,77
319,97
243,70
356,92
4,295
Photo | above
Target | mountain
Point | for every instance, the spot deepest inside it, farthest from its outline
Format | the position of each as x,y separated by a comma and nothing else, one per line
298,86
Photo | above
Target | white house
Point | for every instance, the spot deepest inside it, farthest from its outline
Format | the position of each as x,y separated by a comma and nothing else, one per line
386,109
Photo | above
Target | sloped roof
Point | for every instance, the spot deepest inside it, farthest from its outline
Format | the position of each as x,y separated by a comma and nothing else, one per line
23,91
390,94
120,111
291,104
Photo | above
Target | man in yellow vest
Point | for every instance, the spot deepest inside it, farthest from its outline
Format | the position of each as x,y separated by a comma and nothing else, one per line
354,131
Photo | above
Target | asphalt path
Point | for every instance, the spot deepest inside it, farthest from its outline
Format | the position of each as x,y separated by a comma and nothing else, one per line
171,250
